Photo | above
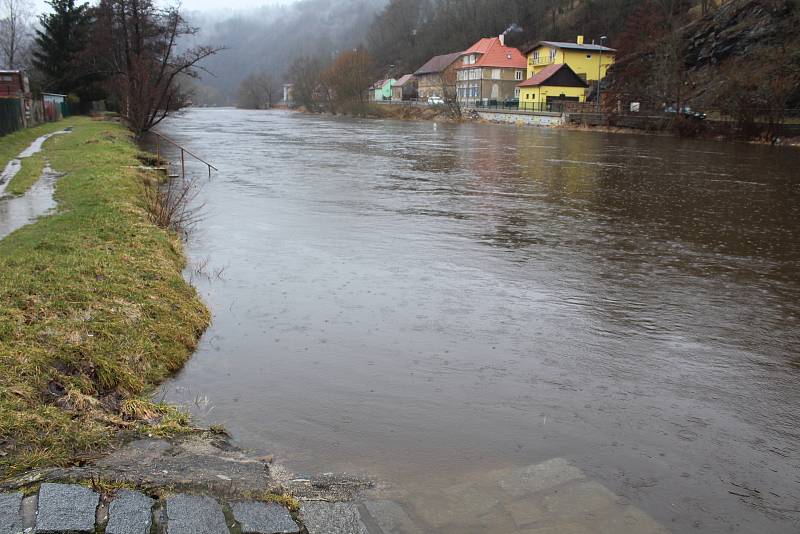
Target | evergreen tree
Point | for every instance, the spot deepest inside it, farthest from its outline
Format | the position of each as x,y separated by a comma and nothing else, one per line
60,43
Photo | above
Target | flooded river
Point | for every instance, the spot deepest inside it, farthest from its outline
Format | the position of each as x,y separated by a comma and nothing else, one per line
430,304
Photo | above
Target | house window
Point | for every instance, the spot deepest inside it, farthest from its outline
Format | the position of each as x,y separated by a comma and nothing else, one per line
495,74
588,56
536,55
516,92
466,60
508,56
553,52
518,75
6,78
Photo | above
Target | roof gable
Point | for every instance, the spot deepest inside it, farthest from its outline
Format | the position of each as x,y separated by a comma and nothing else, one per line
559,74
437,64
403,80
491,53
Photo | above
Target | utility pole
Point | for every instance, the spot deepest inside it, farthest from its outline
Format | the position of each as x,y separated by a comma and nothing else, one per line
600,71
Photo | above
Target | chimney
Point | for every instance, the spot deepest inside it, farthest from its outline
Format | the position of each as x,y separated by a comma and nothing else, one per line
580,39
502,39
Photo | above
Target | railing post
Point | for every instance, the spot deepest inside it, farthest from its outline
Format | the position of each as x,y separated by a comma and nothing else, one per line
183,165
158,151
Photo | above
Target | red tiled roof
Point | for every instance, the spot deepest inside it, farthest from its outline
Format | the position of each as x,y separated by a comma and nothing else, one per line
546,73
493,54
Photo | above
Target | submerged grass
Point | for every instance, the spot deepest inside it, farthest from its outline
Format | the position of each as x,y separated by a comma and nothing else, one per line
93,308
12,144
29,172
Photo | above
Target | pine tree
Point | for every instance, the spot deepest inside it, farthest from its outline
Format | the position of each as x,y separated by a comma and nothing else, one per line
60,43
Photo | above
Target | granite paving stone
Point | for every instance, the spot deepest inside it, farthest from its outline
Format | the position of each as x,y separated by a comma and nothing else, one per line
332,518
10,515
65,508
192,514
263,518
130,513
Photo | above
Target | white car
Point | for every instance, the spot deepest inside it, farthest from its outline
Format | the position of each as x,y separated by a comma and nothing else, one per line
434,100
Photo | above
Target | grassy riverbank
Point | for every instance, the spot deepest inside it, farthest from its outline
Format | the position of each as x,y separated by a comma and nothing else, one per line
93,308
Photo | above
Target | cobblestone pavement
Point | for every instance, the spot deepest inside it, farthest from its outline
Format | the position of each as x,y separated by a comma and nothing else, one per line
550,497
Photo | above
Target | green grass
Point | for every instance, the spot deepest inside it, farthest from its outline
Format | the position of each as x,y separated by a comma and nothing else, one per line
93,308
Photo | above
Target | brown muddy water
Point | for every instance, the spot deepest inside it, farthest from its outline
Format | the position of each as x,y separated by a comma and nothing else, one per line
430,303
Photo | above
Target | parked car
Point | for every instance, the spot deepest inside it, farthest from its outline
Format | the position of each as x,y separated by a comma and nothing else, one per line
686,112
511,103
435,100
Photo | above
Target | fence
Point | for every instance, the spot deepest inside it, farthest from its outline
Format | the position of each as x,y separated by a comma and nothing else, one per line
17,113
11,118
512,105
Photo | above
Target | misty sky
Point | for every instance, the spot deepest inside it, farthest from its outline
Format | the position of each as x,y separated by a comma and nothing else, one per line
197,5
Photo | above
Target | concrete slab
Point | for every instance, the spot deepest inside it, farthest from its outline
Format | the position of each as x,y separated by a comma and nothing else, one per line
130,513
581,507
538,477
457,505
191,514
389,518
263,518
332,518
66,508
11,513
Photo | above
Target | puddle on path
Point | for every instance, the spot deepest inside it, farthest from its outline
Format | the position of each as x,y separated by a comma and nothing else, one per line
16,212
14,166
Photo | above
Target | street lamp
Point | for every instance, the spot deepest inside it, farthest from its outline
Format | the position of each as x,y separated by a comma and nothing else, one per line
600,71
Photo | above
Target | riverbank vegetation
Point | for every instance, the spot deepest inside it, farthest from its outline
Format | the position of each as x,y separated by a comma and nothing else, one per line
93,308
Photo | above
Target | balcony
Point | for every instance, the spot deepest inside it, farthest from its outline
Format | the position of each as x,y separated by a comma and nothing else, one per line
537,61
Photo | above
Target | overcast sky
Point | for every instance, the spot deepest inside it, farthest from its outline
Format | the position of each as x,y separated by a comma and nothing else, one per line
196,5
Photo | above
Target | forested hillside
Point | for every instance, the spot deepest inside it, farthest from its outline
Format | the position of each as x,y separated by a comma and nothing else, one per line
270,38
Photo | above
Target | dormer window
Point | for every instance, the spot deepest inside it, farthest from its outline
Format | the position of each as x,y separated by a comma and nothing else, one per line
508,56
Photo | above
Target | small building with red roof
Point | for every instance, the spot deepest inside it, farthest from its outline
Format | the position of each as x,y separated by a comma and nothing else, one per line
554,83
489,71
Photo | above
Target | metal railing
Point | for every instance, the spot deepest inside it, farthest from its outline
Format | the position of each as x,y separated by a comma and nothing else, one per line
514,105
183,150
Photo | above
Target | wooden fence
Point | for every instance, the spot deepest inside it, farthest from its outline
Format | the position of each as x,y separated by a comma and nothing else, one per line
11,117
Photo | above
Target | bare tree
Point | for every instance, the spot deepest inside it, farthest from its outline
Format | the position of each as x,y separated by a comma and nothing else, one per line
305,74
447,85
346,81
257,91
136,43
15,32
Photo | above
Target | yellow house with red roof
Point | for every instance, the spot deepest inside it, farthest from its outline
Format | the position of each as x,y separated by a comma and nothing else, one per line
489,71
553,83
